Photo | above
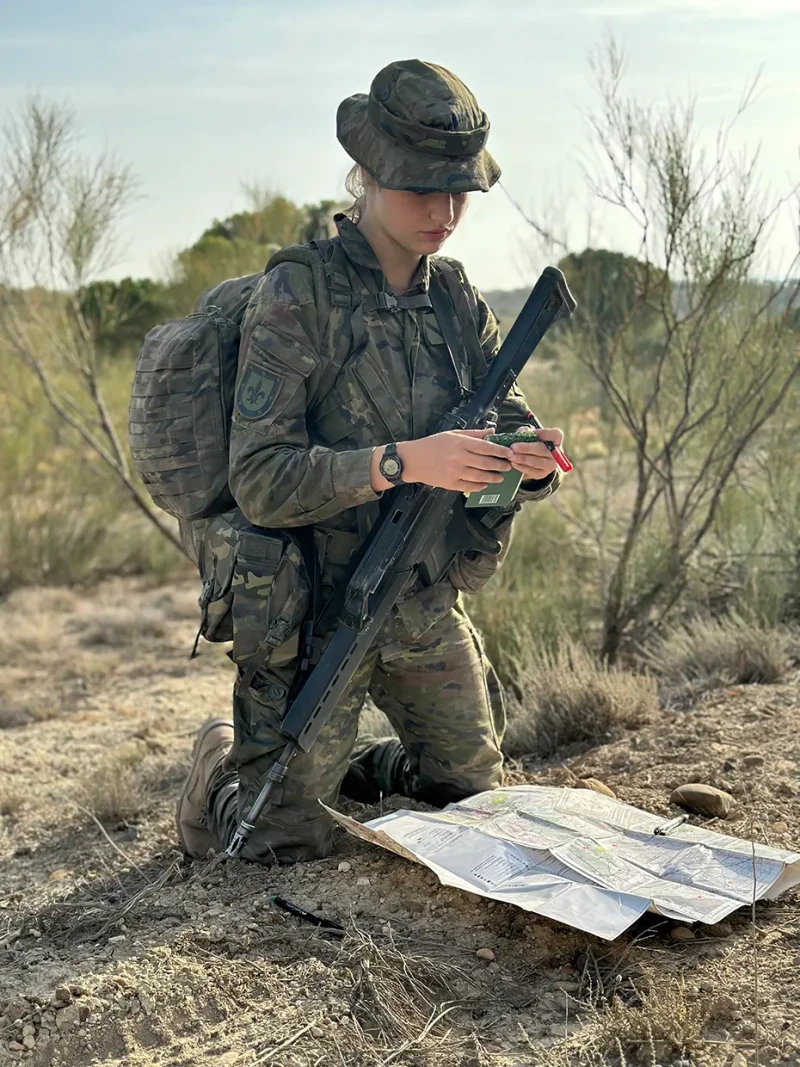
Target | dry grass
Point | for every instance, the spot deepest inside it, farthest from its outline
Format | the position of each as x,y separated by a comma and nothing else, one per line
564,696
11,800
708,654
118,627
117,789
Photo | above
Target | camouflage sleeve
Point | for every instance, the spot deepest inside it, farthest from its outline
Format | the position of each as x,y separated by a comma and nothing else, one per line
514,412
276,476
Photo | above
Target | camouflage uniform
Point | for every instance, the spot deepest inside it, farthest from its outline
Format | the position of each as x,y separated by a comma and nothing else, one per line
300,455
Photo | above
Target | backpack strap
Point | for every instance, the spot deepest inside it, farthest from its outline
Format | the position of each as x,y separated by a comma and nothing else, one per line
458,298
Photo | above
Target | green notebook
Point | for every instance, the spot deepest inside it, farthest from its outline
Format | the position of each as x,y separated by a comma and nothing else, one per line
500,494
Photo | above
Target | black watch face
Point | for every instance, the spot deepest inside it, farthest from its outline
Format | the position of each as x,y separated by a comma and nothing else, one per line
390,467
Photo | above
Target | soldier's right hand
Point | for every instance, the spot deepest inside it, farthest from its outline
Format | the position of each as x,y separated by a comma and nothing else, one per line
456,459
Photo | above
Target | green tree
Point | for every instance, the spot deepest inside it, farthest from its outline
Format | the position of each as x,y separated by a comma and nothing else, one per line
119,314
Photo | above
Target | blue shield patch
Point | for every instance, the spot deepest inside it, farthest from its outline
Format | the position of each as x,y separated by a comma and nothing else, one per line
256,391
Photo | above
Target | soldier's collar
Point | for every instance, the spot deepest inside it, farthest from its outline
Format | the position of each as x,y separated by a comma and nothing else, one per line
360,252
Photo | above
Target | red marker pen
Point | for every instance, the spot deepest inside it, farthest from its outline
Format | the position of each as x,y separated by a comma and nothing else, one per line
558,454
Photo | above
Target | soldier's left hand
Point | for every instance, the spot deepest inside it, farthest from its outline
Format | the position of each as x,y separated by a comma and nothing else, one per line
535,460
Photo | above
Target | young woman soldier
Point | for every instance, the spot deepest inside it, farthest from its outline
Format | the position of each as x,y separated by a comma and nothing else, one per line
305,451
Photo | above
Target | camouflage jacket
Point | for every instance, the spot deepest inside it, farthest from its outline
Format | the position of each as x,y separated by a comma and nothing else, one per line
301,446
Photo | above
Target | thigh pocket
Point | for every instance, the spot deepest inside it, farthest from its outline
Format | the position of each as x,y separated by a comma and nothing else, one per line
255,587
270,593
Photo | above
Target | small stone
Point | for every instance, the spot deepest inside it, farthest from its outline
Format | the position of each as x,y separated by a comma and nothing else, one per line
28,1030
64,994
16,1046
704,799
780,828
115,940
29,1041
681,933
739,1060
753,760
597,786
317,1031
344,867
79,991
485,954
363,881
494,968
147,1002
728,766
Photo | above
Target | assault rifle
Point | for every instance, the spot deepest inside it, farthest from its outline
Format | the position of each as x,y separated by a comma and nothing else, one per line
399,545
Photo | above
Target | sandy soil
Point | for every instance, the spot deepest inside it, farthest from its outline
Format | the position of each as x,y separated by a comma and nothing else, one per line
114,950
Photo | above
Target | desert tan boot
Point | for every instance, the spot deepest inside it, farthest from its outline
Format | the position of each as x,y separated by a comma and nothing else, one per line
213,741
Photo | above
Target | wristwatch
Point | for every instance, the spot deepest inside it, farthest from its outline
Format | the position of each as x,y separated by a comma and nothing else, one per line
391,466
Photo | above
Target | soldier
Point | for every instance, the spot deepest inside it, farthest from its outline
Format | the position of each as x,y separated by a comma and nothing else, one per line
305,451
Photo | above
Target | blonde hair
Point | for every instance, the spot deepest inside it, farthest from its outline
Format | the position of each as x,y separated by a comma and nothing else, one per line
356,185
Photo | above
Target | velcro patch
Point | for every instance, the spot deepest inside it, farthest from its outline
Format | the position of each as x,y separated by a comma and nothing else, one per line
256,391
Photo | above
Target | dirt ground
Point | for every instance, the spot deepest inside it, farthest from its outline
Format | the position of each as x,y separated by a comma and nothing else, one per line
114,950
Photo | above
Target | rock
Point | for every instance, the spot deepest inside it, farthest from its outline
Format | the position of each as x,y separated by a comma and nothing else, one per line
79,991
704,799
28,1030
739,1060
597,786
753,760
29,1041
147,1002
115,940
485,954
344,867
17,1008
84,1011
64,994
681,933
780,828
362,881
728,766
16,1046
68,1018
317,1031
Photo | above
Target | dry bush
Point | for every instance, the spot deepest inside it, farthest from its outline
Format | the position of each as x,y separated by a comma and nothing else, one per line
24,637
563,696
707,654
665,1027
117,790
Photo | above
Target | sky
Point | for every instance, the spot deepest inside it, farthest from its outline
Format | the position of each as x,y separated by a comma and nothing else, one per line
199,97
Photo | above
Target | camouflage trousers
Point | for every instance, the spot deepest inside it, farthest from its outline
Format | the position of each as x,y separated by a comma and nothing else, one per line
441,696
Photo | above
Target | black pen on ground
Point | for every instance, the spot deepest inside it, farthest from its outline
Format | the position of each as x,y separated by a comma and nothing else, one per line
667,827
307,916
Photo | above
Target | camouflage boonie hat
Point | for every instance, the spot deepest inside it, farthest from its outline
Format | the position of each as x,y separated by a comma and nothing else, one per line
420,129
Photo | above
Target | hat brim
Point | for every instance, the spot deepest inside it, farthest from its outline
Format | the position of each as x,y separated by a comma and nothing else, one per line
398,167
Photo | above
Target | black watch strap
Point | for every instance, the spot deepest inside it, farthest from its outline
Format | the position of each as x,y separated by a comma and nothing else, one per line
391,466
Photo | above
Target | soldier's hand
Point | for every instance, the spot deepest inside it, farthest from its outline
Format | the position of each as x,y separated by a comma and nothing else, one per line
535,460
457,459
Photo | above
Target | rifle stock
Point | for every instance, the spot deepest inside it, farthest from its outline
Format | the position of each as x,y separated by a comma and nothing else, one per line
400,542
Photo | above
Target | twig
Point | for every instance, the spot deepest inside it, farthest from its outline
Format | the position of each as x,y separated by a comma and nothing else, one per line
429,1025
265,1057
113,844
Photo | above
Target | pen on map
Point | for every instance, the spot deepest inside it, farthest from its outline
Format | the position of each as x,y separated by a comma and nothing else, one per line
673,824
